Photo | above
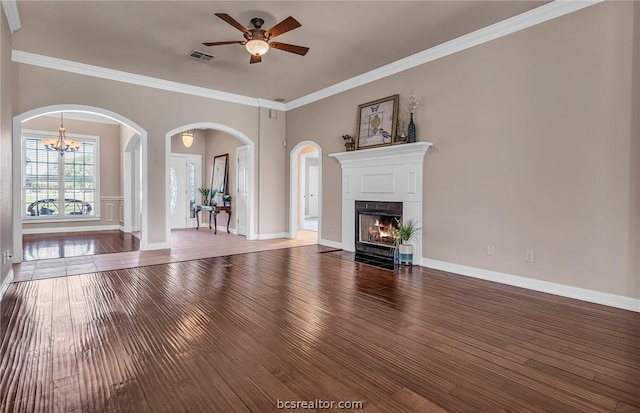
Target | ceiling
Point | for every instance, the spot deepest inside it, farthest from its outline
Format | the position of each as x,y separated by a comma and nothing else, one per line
152,38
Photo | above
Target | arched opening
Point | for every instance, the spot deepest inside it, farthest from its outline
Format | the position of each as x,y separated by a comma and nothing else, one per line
248,148
305,183
19,201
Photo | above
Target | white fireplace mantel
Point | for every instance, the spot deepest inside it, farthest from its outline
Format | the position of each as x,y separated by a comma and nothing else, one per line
389,174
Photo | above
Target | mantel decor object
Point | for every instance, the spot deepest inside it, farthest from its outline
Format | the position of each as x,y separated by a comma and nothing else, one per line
411,137
349,143
377,121
411,107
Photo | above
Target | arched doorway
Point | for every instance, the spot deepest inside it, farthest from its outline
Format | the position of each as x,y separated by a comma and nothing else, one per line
18,174
305,203
251,167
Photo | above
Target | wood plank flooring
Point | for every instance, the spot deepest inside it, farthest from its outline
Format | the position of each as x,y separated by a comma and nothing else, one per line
76,244
186,244
240,333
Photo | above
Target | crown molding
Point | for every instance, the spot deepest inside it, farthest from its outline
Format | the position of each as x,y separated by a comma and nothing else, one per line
13,17
271,104
49,62
503,28
511,25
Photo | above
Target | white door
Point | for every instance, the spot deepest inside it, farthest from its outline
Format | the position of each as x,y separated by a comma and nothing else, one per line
178,192
312,192
241,204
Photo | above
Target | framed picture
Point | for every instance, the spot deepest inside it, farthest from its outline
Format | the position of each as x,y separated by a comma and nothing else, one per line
219,177
377,122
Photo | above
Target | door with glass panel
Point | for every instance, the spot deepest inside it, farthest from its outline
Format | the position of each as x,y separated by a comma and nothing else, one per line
184,179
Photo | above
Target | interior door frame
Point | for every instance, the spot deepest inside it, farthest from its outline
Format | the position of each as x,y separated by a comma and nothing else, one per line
237,154
294,198
197,159
18,175
252,162
304,192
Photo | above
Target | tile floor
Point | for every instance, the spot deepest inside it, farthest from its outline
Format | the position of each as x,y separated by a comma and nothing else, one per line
187,244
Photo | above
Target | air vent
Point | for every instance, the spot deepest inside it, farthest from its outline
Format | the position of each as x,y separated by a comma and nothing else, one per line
200,56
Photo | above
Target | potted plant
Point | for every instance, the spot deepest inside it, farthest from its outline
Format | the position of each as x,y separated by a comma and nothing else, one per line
227,200
349,143
205,195
405,232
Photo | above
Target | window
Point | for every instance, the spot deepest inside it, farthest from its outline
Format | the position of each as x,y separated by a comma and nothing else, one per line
60,187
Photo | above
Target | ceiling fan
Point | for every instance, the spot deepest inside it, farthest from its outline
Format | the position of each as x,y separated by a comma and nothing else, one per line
258,41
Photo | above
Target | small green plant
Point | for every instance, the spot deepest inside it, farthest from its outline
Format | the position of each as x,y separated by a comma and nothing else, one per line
405,231
347,138
205,194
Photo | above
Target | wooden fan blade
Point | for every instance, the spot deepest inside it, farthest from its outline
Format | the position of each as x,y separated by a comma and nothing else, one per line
291,48
233,22
255,59
284,26
221,43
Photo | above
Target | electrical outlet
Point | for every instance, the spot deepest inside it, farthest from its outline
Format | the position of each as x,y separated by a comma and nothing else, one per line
529,256
490,250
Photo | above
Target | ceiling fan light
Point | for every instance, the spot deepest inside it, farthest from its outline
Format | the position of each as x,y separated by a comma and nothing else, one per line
187,138
257,47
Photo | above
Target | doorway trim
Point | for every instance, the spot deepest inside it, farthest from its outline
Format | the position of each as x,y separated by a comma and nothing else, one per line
294,201
17,158
252,168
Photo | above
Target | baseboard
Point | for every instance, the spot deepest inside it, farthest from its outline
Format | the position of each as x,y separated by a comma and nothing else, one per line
597,297
275,235
329,243
224,230
5,284
57,230
155,246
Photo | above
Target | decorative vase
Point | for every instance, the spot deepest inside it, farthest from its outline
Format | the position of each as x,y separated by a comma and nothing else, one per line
405,252
350,146
412,130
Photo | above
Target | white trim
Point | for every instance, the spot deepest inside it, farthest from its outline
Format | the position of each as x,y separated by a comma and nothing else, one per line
511,25
49,62
157,246
58,230
232,231
272,104
5,283
612,300
275,235
111,198
252,162
130,216
87,117
294,202
329,243
95,140
18,158
508,26
383,154
46,220
11,12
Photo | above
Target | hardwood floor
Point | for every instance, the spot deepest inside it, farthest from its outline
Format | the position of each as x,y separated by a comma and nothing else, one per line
76,244
186,244
240,333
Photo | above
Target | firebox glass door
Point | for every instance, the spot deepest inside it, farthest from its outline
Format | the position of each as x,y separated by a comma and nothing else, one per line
377,229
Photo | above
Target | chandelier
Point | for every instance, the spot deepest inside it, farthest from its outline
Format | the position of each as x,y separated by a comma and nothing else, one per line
61,143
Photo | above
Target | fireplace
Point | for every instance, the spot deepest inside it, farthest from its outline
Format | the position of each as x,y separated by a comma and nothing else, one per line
388,174
375,222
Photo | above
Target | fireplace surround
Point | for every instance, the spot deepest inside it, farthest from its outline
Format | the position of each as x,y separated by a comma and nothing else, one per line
385,174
